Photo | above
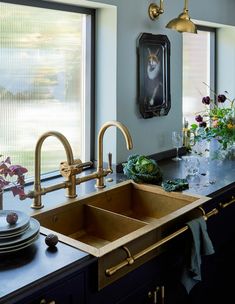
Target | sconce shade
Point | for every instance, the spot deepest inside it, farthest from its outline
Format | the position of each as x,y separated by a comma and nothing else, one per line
183,23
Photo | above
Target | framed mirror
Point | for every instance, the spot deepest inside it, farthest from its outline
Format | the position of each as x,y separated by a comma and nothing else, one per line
154,95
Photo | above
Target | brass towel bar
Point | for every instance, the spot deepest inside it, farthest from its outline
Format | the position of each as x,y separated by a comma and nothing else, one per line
132,258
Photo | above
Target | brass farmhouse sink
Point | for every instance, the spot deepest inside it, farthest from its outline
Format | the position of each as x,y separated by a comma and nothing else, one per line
114,216
120,224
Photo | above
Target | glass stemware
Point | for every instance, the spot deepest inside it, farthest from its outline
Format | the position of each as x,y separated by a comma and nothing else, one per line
177,140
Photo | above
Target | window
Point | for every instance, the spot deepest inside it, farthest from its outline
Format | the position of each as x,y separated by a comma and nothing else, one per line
198,68
46,80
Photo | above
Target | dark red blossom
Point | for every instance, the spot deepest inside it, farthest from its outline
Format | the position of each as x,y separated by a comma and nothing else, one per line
199,118
221,98
206,100
202,124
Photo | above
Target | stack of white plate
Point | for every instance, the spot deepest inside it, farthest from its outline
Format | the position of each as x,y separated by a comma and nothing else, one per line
19,235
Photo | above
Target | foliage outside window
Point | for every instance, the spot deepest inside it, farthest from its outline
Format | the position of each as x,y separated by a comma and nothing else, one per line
43,82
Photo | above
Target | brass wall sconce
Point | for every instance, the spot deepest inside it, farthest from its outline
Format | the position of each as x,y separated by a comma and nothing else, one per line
181,24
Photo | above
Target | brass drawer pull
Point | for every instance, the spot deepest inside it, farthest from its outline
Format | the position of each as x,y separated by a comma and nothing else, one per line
224,205
163,294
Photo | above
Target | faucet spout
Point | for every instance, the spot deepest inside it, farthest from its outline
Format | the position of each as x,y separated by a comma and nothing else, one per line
129,144
71,190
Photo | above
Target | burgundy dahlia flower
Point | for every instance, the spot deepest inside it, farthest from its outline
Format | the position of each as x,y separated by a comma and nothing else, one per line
221,98
206,100
199,118
202,124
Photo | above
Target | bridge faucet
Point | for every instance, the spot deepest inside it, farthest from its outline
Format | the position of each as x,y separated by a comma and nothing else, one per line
72,167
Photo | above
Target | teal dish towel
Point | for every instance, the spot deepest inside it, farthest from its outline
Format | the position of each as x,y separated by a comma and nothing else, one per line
201,245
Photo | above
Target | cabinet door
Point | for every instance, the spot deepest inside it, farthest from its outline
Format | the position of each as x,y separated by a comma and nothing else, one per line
148,294
132,288
158,294
174,293
72,291
172,290
221,227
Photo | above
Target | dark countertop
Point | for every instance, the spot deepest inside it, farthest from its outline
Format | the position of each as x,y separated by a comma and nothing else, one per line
21,270
213,176
35,263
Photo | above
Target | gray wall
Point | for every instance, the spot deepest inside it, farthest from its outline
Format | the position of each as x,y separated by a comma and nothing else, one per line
117,30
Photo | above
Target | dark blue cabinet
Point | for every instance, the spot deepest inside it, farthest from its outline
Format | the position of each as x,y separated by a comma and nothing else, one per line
134,287
69,290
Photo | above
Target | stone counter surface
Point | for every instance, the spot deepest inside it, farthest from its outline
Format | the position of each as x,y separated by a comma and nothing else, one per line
36,263
21,270
213,176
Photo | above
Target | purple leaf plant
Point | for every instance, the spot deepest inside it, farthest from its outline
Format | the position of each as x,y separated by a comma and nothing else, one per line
7,171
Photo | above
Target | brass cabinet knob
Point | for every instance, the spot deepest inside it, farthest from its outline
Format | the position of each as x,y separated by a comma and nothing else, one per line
150,294
154,295
43,301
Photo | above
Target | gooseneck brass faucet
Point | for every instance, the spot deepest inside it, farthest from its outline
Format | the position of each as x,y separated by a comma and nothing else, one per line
70,184
70,168
101,172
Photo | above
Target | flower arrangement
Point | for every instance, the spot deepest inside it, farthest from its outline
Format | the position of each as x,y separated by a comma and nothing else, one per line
216,121
7,171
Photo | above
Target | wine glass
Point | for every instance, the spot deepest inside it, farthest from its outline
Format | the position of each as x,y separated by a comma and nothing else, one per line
177,140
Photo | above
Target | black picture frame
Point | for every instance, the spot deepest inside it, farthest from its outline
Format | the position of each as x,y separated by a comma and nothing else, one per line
154,95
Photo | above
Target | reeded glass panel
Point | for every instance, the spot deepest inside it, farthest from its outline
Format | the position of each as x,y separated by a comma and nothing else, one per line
196,70
42,56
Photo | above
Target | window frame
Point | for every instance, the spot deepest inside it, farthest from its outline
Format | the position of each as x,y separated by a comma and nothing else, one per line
89,125
213,53
213,56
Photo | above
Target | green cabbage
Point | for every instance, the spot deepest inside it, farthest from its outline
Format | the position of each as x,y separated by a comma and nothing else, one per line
142,169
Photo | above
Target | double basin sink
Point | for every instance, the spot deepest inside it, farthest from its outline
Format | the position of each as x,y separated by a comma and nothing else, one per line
112,217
